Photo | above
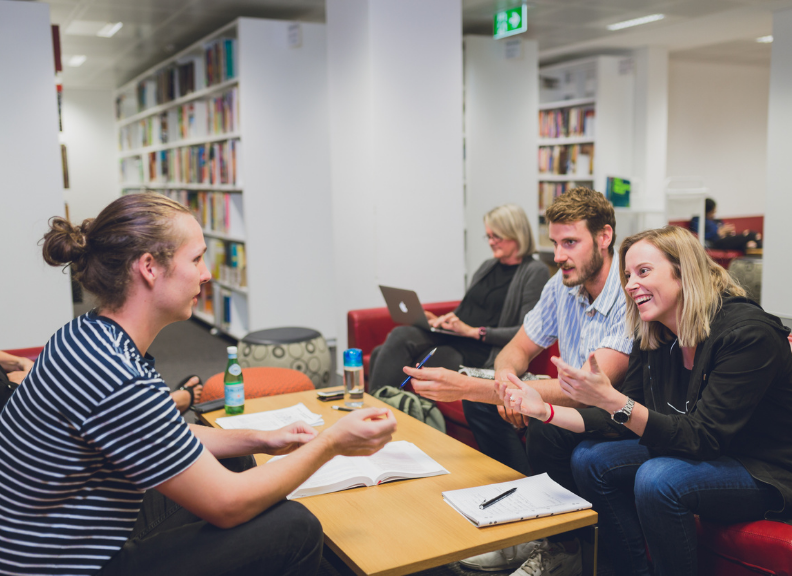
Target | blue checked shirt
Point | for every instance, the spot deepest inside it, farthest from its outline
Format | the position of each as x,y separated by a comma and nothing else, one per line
581,327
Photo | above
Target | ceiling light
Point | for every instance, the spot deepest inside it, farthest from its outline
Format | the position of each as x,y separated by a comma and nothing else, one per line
765,39
635,22
77,60
109,29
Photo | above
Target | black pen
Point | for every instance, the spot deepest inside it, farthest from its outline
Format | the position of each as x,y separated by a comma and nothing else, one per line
344,408
419,366
488,503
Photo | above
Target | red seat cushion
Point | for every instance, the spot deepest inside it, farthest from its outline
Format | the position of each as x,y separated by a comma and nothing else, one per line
260,381
763,547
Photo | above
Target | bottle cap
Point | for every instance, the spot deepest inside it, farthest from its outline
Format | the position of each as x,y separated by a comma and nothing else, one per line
353,358
231,349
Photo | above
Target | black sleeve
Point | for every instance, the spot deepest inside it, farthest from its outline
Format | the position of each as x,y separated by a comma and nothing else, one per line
744,364
536,278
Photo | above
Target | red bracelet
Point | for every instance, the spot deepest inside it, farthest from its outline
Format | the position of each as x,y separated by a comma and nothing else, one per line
552,413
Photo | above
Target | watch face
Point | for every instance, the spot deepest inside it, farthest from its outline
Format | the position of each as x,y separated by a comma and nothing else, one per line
621,417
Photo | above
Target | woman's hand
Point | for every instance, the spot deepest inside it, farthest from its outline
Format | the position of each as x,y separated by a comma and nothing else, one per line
451,322
592,388
523,398
430,315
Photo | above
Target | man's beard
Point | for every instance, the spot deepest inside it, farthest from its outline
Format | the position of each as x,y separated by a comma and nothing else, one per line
589,269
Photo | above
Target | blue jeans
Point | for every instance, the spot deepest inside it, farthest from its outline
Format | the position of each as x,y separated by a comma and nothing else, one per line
653,499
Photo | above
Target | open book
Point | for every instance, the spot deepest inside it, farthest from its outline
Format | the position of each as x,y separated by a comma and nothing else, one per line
396,461
535,496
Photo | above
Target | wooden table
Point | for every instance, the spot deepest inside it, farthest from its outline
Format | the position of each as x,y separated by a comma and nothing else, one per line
404,527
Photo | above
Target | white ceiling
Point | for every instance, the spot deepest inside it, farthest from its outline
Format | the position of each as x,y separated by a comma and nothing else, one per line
703,30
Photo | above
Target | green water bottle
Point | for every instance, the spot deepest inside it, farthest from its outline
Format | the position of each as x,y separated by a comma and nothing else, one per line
233,384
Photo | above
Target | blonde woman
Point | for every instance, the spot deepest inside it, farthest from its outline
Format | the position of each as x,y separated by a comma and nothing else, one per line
502,291
701,424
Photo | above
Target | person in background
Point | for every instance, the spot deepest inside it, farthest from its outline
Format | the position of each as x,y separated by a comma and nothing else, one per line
501,293
101,474
14,368
722,236
582,307
700,425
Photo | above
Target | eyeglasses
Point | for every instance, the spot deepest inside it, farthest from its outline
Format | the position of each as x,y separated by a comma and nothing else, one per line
492,237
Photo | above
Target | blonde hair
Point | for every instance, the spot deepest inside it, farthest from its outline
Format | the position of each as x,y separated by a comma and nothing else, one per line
510,223
703,282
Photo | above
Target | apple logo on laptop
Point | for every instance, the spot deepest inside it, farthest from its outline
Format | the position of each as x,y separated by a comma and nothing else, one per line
403,307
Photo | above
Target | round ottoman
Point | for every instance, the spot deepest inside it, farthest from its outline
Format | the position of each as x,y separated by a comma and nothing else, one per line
747,271
300,349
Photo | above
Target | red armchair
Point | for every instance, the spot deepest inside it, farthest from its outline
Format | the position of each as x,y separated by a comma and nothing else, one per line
368,328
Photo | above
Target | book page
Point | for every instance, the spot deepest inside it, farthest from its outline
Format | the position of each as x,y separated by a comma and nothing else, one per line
271,419
403,459
399,459
535,496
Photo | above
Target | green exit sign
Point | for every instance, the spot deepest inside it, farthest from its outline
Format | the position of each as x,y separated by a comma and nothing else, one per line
511,21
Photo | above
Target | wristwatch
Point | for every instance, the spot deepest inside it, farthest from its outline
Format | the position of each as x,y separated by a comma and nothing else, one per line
482,333
623,416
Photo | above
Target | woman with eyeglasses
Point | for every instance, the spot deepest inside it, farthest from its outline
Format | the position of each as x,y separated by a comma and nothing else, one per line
700,425
502,291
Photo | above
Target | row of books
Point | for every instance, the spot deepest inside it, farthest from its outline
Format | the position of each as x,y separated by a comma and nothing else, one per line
206,304
572,159
549,191
217,64
131,170
227,262
219,212
215,163
212,116
567,122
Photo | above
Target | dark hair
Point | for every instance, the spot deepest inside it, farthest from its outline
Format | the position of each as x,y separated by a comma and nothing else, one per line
584,204
709,205
101,250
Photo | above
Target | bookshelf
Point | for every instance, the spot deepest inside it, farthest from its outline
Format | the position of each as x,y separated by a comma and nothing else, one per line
585,128
235,128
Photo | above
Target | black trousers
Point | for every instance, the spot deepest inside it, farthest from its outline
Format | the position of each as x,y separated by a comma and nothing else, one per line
406,346
167,540
547,448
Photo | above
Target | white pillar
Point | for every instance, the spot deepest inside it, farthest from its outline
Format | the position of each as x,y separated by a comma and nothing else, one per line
501,131
395,81
651,129
35,299
777,272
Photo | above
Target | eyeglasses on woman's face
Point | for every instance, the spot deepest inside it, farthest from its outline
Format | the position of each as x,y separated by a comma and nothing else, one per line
494,238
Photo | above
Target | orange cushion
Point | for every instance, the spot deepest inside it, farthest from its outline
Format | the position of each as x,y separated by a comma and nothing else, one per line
260,381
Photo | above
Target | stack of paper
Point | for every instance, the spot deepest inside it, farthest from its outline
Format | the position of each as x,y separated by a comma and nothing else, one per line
535,496
272,419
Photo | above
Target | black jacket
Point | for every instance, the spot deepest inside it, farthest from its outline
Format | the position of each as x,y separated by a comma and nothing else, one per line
738,401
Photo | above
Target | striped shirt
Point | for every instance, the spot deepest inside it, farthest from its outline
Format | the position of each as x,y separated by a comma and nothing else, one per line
90,429
581,327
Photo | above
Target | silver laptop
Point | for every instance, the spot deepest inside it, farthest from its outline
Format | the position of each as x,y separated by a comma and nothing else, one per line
405,308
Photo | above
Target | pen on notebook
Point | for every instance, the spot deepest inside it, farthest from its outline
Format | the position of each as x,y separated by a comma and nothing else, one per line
344,408
419,366
488,503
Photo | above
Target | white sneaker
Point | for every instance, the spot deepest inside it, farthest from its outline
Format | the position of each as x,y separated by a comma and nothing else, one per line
505,559
553,560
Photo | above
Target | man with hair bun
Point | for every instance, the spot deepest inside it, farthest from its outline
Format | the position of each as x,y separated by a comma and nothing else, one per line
102,475
582,307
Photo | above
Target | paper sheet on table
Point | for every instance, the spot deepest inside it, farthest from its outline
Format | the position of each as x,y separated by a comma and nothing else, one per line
271,419
536,496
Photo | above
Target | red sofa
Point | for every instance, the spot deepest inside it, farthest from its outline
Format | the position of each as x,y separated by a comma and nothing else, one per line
746,549
724,257
368,328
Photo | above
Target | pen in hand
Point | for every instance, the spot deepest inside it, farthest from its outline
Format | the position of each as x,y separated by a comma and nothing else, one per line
419,366
488,503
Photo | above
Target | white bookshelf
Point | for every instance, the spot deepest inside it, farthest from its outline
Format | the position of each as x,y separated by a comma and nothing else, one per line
271,203
600,91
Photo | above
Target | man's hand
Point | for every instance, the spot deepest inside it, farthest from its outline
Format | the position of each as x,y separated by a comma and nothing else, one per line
438,384
361,433
288,438
590,387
